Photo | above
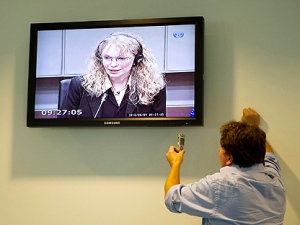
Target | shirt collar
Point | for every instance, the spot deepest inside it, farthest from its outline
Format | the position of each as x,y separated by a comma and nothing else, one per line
257,168
108,83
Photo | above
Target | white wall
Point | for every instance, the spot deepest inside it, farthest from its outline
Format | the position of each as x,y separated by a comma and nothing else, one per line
113,176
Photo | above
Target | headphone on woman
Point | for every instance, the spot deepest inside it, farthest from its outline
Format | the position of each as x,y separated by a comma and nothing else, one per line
138,57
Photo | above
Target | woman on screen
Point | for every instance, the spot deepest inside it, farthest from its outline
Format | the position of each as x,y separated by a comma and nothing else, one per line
124,80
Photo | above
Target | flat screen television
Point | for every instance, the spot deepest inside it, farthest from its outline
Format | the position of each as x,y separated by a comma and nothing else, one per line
143,72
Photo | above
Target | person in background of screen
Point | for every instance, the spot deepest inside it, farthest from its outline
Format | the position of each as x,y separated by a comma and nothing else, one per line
247,190
123,80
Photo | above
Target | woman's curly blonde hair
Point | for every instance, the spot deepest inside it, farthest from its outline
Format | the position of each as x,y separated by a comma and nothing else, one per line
146,78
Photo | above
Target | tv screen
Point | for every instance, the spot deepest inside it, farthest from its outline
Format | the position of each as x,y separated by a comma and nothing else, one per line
146,72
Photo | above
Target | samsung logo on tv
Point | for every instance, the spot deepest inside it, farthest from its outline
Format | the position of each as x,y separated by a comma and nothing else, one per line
112,123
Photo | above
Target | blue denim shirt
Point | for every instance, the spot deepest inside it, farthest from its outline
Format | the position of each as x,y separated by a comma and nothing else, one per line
235,195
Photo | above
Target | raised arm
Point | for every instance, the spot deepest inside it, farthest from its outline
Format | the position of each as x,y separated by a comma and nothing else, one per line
175,159
268,147
252,117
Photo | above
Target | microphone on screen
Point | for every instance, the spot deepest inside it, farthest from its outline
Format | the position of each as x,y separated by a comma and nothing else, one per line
103,99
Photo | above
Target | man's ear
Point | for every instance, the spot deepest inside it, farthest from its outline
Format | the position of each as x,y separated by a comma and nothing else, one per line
229,160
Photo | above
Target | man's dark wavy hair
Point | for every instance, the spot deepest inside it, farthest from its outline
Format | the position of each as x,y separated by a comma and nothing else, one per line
246,143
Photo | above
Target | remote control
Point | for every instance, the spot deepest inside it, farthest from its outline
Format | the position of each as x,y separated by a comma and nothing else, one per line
180,143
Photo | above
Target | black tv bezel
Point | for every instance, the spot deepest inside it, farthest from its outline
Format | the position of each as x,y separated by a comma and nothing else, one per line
197,120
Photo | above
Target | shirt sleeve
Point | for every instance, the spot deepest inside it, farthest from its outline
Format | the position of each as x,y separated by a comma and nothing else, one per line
272,165
195,199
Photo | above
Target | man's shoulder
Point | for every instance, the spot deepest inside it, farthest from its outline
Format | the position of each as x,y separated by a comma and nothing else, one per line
215,177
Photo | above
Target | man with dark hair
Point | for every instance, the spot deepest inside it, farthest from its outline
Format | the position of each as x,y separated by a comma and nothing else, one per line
247,190
245,143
